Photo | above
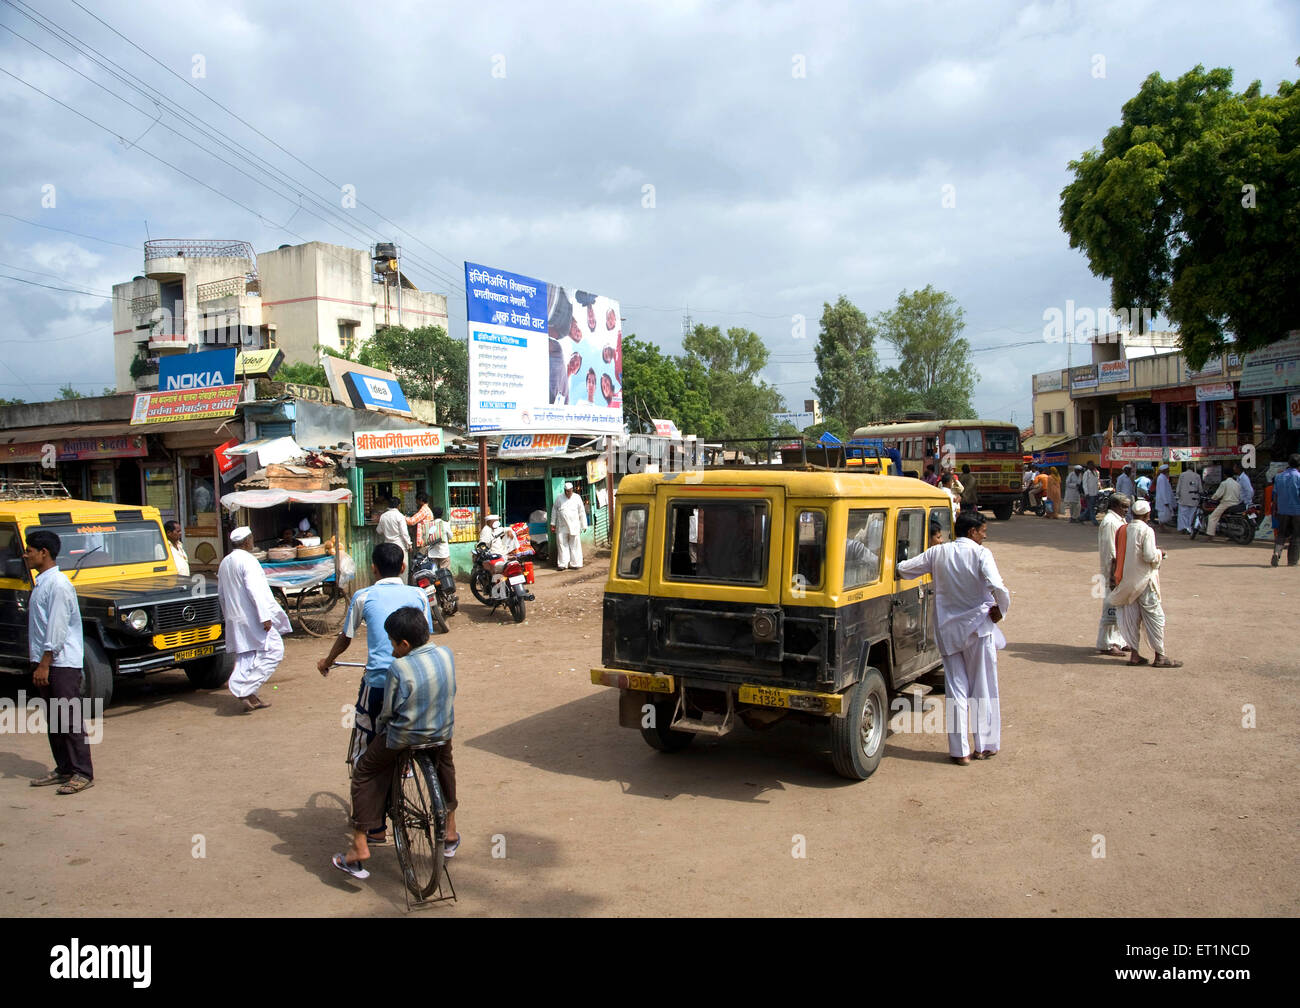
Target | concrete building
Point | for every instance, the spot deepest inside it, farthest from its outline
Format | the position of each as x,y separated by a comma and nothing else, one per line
201,295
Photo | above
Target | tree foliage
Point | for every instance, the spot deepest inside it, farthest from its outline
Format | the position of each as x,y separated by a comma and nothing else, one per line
302,373
428,363
934,370
847,366
1191,208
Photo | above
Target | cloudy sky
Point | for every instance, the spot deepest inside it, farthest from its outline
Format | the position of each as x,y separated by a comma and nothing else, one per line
796,152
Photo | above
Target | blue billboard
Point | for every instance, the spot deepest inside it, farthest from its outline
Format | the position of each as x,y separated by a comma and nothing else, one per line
179,372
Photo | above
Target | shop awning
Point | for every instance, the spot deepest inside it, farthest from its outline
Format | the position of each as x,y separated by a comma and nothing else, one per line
1041,442
273,498
92,430
269,451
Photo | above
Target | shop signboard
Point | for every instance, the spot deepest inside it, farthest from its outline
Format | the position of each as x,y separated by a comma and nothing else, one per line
1112,371
1211,368
1195,454
1048,381
195,404
1214,392
541,356
258,363
533,445
1275,368
1050,458
1131,453
364,387
230,466
396,443
596,470
1084,377
1293,410
209,369
90,449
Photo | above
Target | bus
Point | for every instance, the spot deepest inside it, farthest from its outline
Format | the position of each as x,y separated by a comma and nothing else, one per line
990,447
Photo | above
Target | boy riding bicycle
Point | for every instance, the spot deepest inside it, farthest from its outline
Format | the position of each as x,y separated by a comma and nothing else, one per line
417,710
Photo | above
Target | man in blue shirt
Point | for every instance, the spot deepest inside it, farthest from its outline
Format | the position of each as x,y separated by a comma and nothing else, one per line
372,606
56,649
1286,509
418,698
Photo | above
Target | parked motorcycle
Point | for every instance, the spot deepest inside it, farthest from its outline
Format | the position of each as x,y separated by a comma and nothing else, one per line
497,580
1238,523
437,583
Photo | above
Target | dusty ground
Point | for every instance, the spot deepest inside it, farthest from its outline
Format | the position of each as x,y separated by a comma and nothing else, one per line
1197,812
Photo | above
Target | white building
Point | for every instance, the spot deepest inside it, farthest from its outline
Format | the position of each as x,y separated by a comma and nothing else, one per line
202,295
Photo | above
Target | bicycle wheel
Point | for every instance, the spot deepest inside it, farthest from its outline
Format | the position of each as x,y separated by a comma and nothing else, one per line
321,613
419,817
356,746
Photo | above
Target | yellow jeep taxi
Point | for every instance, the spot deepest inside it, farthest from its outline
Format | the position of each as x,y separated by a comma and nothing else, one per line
139,615
761,594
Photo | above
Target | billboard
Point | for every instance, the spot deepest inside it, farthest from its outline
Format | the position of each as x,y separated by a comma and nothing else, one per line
1112,371
212,403
542,357
1274,368
209,369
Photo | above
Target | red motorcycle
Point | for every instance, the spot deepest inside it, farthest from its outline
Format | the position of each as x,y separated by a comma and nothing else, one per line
497,580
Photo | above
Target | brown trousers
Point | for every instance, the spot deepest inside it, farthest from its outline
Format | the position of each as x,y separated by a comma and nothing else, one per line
372,781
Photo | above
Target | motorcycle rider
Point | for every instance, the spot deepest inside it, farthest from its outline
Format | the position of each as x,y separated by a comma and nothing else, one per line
1229,496
498,538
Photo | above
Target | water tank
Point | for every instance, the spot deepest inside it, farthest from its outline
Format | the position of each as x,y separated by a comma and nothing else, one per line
385,250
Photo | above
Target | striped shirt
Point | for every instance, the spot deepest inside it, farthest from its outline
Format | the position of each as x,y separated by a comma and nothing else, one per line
372,606
418,697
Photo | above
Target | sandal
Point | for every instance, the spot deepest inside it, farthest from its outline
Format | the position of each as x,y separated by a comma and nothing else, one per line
449,847
1137,659
960,760
988,754
1163,662
353,868
76,784
1114,650
51,778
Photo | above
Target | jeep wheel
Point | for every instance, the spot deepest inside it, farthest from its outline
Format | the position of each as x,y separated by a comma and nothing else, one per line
1002,512
210,673
97,673
858,735
659,735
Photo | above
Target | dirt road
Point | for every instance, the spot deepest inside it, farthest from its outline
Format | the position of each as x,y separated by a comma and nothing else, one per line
1194,813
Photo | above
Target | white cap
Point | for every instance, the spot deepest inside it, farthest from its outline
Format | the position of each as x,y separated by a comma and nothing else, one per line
1141,507
304,525
240,534
568,486
1164,465
491,518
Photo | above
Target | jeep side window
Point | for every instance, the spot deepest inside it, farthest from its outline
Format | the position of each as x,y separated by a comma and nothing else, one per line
866,532
912,534
810,549
940,517
11,554
631,541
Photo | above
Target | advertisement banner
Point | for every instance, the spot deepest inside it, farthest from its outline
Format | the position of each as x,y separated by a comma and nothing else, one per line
1112,371
532,445
364,387
210,369
88,449
1213,366
596,470
1049,381
1202,454
1131,453
541,357
1083,377
1276,368
197,404
396,443
1293,410
1214,392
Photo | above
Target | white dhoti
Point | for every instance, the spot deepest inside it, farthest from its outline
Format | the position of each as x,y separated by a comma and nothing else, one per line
1145,614
970,679
1108,633
254,668
569,550
1186,512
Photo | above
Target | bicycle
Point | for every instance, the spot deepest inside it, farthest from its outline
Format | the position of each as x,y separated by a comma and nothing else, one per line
419,817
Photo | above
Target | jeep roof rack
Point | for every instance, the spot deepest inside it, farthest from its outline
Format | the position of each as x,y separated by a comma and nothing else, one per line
21,489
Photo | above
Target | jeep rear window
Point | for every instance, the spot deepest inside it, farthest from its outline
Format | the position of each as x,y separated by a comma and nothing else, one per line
108,544
722,542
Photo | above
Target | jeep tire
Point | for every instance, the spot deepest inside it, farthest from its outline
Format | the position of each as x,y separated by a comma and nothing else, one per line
97,673
858,735
210,673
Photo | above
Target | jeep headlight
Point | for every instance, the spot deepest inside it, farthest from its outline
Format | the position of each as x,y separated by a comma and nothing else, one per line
137,619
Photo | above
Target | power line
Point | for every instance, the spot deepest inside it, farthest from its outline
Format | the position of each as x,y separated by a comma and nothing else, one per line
77,234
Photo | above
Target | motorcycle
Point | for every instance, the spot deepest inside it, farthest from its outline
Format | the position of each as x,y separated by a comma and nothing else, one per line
1022,505
497,580
1238,523
437,583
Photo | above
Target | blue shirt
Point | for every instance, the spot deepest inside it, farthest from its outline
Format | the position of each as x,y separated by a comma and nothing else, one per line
54,621
1286,492
373,606
418,697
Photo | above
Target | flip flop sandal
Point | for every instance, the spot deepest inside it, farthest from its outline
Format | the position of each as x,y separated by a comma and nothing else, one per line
1139,661
450,847
1167,663
353,868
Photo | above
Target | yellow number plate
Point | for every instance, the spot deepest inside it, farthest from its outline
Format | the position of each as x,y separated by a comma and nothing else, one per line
764,696
646,683
197,652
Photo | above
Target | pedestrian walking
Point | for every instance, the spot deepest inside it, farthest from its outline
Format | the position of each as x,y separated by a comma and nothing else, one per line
1090,489
1136,595
56,648
1189,498
1286,510
1166,514
568,519
254,621
1109,639
1074,494
970,599
392,528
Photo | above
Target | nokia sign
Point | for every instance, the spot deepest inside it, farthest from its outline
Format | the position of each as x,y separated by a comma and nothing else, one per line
182,372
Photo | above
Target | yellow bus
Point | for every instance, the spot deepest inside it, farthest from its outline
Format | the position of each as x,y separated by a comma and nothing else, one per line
990,447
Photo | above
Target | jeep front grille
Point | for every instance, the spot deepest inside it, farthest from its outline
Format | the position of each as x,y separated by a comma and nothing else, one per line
171,615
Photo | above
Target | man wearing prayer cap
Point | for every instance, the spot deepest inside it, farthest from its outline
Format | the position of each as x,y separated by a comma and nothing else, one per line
254,622
1136,595
568,519
1115,509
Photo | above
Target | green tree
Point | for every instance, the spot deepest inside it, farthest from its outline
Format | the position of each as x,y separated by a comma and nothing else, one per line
428,363
727,366
847,367
302,373
934,371
1191,208
68,392
656,387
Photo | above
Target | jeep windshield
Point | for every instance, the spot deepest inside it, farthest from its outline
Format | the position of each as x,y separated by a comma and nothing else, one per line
108,544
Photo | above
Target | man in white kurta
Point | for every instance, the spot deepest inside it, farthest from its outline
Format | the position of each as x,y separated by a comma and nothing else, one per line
1189,498
1109,640
253,620
1136,595
568,519
1228,495
1165,513
967,589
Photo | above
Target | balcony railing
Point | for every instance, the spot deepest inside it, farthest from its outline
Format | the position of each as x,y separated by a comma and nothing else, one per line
190,248
216,289
145,305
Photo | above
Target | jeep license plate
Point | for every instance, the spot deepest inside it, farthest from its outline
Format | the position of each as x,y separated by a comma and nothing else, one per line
763,696
198,652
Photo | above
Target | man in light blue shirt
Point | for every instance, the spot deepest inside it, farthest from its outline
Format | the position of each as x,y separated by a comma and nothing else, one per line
56,648
1286,512
372,606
